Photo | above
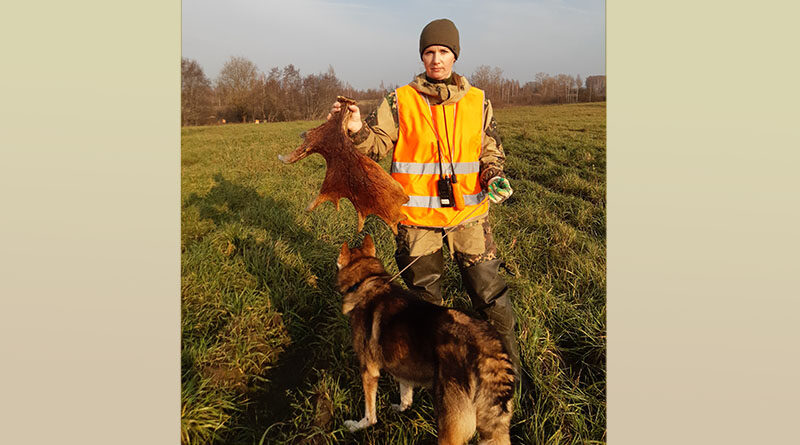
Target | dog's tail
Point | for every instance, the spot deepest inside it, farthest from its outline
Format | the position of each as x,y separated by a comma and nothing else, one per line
494,401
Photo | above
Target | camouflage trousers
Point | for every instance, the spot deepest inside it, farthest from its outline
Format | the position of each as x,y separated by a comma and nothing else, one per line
474,250
471,243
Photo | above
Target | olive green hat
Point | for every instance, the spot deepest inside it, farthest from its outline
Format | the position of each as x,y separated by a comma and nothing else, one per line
439,32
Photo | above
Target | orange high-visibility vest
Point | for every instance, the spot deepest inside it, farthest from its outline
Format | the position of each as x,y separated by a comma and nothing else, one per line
415,163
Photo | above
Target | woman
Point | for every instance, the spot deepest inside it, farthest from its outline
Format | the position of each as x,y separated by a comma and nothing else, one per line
447,156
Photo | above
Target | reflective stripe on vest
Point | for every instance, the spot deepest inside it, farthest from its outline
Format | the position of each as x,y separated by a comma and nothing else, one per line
432,168
433,201
415,161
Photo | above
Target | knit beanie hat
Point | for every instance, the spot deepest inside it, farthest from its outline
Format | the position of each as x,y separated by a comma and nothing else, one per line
439,32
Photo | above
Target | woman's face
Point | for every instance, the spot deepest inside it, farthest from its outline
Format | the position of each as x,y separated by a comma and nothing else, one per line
438,61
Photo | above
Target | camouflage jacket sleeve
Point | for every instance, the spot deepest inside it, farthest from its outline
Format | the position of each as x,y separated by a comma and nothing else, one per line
379,134
492,156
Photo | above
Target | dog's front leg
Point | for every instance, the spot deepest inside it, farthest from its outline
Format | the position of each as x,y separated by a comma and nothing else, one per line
406,397
370,382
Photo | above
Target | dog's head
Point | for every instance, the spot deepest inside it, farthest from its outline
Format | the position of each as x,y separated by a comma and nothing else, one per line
355,266
348,255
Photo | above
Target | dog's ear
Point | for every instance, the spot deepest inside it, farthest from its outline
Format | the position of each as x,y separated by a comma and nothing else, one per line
368,246
344,256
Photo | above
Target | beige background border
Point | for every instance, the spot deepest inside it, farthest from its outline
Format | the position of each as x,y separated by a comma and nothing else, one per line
90,316
702,222
702,208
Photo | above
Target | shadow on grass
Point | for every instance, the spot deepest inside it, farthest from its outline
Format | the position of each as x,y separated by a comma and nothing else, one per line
228,202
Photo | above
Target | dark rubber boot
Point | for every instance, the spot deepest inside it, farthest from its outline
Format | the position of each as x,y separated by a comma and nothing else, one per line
489,294
424,277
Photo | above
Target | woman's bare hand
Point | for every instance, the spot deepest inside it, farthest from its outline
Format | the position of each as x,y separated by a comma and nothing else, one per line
354,123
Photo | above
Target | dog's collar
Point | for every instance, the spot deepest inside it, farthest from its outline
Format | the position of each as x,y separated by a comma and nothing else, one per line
355,287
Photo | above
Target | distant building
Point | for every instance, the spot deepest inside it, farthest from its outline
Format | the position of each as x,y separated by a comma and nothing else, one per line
596,86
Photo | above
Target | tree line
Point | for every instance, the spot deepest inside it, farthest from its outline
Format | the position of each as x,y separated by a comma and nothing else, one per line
544,89
242,93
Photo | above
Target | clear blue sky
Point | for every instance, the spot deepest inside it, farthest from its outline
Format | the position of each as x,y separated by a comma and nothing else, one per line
369,42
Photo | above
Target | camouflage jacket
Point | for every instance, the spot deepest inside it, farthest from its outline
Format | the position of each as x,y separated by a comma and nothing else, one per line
379,135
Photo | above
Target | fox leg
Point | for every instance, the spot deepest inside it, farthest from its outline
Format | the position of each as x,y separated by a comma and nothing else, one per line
317,201
361,219
320,199
406,397
370,382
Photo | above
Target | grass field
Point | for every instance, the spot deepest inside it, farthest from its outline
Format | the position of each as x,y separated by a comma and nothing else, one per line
266,354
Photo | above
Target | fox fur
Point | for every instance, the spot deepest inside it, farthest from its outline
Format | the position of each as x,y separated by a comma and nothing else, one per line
349,173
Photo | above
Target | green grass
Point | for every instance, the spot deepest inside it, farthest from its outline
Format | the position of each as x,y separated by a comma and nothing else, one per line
266,352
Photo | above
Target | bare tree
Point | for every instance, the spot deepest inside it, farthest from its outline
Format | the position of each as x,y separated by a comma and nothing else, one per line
291,93
196,95
272,95
481,77
236,85
490,80
319,92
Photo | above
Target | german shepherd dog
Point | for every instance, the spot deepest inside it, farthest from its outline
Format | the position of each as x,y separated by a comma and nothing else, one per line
422,344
